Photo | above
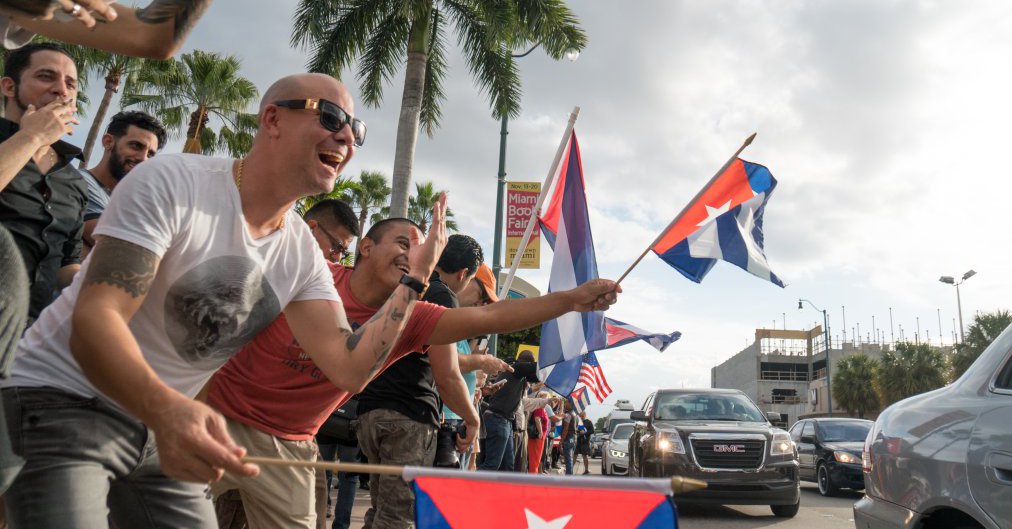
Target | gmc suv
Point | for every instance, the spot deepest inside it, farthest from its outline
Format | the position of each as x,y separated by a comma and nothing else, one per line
719,436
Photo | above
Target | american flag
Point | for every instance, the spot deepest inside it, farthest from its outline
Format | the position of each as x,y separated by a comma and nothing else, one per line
592,376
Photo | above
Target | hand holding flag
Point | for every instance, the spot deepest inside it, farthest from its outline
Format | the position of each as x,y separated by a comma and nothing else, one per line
596,294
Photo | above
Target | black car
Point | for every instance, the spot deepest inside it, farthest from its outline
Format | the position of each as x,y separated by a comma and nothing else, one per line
721,437
829,452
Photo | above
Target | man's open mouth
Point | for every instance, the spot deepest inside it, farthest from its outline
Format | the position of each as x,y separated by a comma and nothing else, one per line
332,159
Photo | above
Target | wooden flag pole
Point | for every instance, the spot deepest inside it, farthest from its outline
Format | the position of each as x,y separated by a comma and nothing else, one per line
504,289
679,484
748,141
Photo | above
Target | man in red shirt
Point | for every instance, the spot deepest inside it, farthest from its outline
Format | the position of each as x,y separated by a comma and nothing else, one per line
275,398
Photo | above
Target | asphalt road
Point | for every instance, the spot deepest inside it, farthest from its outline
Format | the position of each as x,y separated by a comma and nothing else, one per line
816,511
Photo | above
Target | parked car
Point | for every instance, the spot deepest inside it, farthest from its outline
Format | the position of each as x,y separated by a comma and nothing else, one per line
615,452
944,458
596,442
829,452
719,436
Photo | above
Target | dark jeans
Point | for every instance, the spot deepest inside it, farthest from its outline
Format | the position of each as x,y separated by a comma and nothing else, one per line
86,462
498,443
568,447
347,482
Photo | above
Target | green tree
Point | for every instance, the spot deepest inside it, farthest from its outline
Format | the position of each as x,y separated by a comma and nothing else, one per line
343,190
420,208
984,329
909,370
853,387
599,425
187,92
382,35
370,192
508,344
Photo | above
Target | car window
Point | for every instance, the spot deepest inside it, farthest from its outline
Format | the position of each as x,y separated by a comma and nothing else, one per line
706,407
809,430
1004,380
622,431
796,431
843,431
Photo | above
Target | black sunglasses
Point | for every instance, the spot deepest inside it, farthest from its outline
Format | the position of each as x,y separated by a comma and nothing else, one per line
332,117
337,248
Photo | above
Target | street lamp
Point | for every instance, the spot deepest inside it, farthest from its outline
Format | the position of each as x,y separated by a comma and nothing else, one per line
949,280
825,324
571,55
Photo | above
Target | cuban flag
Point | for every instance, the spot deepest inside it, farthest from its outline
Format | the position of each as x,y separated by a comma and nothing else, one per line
451,499
620,334
566,226
724,223
581,399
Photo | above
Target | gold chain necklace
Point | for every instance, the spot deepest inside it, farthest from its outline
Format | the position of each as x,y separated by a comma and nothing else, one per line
238,187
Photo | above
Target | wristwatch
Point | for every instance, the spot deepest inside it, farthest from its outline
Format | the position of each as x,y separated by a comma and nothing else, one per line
414,284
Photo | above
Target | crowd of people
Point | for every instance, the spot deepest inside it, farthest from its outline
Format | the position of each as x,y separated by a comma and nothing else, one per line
179,317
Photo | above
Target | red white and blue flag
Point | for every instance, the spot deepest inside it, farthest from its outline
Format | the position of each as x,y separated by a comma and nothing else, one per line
724,223
566,225
620,333
592,377
581,399
450,499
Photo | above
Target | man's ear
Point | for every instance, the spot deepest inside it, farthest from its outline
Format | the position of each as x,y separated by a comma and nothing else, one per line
7,85
461,275
365,245
108,141
270,121
312,224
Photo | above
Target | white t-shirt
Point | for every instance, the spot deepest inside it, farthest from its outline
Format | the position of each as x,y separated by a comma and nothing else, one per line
215,289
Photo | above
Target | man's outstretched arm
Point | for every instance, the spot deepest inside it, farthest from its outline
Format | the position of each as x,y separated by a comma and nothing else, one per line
516,314
193,443
156,31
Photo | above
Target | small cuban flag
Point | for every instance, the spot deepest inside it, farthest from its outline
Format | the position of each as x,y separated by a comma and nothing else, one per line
724,223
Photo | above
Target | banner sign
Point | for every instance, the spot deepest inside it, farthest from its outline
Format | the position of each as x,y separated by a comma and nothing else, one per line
521,198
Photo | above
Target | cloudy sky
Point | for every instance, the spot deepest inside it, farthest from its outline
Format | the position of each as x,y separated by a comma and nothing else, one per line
883,121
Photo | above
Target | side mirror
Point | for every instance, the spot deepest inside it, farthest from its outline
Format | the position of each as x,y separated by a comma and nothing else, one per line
773,416
807,439
638,415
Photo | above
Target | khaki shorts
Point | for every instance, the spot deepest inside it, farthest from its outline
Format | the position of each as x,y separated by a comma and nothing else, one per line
280,497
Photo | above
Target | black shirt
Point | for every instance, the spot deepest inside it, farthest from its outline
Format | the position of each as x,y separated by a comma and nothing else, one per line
45,216
407,386
505,401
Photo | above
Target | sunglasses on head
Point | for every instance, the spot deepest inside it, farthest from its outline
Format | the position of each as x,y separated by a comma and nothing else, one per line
332,117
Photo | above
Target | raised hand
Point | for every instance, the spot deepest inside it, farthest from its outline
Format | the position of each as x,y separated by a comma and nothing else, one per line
51,122
423,256
596,294
85,11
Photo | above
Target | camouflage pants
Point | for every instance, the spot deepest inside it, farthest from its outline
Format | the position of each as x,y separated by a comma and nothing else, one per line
389,438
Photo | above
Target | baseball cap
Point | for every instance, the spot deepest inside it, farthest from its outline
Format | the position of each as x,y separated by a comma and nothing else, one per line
485,278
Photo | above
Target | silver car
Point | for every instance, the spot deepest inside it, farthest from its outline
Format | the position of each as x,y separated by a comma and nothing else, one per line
615,452
943,459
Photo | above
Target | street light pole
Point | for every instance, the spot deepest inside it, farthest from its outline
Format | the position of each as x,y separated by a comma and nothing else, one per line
949,280
500,191
825,324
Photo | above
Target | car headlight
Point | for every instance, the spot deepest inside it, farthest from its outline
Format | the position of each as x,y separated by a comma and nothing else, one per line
782,444
846,457
616,453
670,442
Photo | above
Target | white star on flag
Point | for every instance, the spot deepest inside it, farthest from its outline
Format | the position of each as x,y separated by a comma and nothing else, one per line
536,522
712,213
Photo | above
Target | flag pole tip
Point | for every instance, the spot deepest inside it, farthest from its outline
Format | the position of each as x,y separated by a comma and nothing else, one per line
748,141
681,485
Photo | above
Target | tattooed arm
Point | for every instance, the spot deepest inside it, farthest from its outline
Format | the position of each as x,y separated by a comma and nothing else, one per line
193,442
156,31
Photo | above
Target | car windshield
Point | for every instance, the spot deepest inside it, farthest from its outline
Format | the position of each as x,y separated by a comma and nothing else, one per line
843,431
706,407
622,431
616,422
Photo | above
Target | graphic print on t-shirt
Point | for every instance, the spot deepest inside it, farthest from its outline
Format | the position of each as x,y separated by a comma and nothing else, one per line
213,309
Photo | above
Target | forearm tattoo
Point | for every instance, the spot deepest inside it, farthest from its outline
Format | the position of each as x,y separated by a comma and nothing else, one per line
184,13
383,328
122,264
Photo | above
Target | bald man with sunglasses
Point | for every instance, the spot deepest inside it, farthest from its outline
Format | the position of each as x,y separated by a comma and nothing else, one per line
194,257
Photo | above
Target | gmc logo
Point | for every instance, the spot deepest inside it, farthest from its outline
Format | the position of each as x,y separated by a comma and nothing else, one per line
737,449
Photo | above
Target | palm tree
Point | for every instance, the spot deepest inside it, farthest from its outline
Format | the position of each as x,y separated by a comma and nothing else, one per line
852,384
372,191
193,88
908,371
984,329
420,208
343,189
381,36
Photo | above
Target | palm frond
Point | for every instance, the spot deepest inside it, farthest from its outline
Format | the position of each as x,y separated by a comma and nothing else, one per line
435,71
335,50
490,63
383,54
